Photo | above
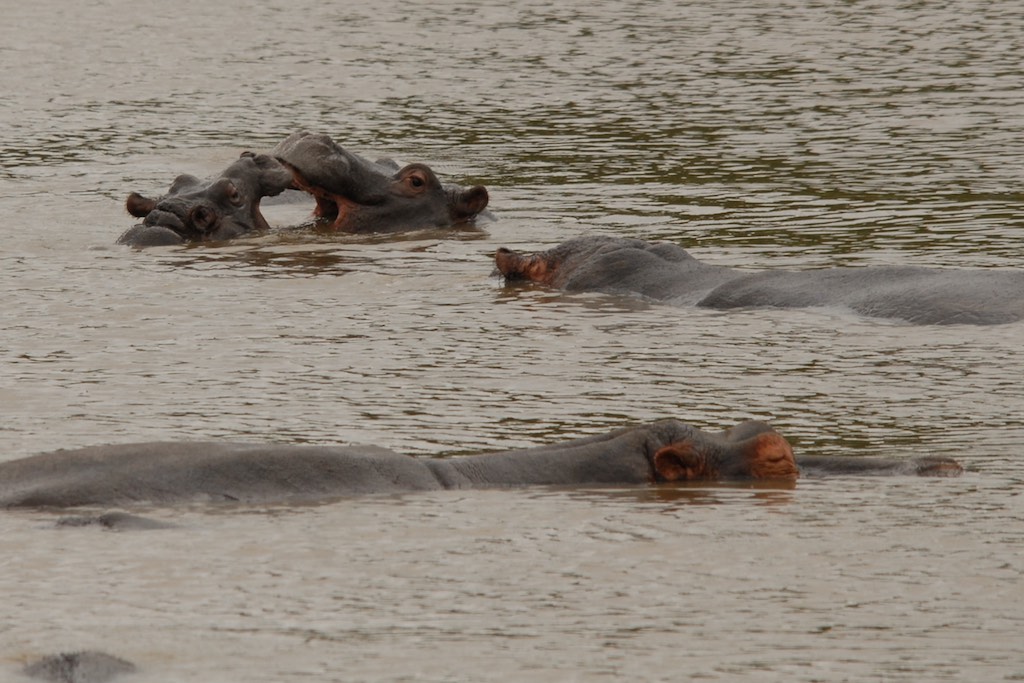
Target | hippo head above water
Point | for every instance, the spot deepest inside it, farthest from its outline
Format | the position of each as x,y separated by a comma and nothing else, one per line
354,194
220,208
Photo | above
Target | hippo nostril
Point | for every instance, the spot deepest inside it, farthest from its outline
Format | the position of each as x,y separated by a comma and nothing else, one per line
203,218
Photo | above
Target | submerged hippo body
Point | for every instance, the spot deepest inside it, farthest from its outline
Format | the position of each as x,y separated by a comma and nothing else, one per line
78,667
352,195
666,272
167,473
219,208
357,195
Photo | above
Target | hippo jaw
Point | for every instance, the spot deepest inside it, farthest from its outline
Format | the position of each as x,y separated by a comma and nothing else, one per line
194,210
354,194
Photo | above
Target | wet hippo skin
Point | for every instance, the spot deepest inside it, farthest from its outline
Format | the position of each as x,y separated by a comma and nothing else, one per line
666,272
170,472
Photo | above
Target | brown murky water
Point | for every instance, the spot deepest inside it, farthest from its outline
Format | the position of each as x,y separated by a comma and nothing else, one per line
773,135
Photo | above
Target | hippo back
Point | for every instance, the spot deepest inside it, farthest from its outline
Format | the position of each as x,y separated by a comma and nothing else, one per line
925,296
160,473
659,271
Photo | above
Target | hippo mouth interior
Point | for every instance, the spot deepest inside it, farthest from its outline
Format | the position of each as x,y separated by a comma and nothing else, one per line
354,194
331,207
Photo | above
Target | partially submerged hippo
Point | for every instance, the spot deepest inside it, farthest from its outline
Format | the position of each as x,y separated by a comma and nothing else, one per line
354,194
166,473
87,666
666,272
218,208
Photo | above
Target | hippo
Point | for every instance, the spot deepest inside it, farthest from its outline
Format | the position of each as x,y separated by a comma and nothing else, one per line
165,473
356,195
666,272
353,195
219,208
87,666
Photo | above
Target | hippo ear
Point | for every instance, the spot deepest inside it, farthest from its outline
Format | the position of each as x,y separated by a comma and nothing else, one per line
470,202
937,466
139,206
680,461
769,456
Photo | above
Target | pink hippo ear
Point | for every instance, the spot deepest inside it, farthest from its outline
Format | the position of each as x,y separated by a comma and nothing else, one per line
139,206
470,202
680,461
770,456
937,466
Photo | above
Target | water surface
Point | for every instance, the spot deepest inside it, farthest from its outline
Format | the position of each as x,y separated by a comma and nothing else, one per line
796,135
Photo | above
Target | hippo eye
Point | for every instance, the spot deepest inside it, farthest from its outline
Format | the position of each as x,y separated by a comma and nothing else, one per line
233,195
225,190
415,179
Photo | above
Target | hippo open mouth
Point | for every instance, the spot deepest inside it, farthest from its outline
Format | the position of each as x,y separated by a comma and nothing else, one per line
220,208
354,194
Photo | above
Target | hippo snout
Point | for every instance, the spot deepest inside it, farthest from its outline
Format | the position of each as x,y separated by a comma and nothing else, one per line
142,235
164,218
530,267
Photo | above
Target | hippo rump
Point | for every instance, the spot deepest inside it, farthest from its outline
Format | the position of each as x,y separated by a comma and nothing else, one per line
168,473
352,195
666,272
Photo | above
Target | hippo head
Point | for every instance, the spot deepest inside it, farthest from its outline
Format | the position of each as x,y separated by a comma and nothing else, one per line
750,450
541,267
586,258
354,194
220,208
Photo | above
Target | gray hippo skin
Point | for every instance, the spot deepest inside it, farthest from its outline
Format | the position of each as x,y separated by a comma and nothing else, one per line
113,521
666,272
79,667
167,473
219,208
356,195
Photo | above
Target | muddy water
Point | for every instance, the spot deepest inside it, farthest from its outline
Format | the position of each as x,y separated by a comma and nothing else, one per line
772,135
